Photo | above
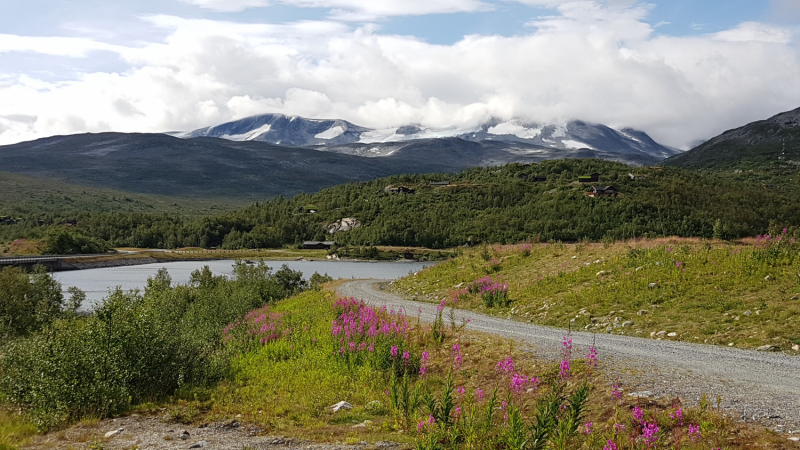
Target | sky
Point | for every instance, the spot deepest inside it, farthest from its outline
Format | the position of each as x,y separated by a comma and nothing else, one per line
681,70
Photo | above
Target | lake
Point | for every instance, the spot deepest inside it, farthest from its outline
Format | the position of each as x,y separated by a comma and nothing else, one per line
97,282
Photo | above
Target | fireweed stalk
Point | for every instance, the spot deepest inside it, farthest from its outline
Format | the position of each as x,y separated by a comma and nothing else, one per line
365,335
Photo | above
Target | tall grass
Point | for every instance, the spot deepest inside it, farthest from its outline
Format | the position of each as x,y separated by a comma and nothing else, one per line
746,294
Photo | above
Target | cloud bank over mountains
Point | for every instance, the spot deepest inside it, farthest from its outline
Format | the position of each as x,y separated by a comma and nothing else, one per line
589,60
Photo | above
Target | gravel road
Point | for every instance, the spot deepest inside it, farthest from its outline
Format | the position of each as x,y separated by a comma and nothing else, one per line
759,386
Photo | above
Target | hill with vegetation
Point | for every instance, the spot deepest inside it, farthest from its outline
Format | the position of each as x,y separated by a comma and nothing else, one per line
203,168
24,195
480,205
767,144
742,295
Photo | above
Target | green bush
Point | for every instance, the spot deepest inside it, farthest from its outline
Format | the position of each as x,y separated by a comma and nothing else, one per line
28,302
134,347
60,241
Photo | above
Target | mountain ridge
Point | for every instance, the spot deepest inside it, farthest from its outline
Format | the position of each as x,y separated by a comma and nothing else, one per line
213,167
771,143
338,135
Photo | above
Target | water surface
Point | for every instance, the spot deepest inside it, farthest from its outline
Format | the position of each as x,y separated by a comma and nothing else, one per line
97,282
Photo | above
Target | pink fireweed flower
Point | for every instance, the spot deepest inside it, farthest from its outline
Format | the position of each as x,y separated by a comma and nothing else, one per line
564,369
588,428
393,351
616,392
456,348
610,445
694,433
504,405
677,416
424,357
420,426
517,383
678,264
431,420
591,358
638,414
457,361
461,390
505,366
423,371
406,356
618,428
650,433
479,395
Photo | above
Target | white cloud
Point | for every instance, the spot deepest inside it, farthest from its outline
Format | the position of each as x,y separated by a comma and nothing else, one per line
358,10
56,46
756,32
593,62
227,5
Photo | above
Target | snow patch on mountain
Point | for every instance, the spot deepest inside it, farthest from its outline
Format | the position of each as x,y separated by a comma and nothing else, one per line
568,143
331,133
384,135
515,129
560,131
249,136
629,136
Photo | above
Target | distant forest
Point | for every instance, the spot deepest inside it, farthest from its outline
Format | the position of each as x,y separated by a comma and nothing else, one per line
481,205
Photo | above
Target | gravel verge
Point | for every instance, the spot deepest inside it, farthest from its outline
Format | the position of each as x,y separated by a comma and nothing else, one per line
756,386
152,433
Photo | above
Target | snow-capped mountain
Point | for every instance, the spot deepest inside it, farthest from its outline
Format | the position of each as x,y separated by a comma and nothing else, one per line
520,136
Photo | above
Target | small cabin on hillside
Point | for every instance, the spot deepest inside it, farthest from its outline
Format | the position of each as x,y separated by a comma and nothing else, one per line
7,220
599,191
636,176
398,190
593,178
318,245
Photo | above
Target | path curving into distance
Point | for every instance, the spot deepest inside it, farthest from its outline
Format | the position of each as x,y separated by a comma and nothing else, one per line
759,386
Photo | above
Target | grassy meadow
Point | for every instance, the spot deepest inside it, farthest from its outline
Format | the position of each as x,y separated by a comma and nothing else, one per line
427,386
740,294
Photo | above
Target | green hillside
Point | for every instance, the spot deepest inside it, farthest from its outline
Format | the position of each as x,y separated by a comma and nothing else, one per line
772,144
497,205
23,195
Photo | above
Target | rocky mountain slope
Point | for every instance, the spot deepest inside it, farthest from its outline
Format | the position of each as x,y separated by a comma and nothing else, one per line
774,143
210,167
344,137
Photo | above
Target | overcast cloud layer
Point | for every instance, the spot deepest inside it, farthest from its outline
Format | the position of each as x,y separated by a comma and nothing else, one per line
599,62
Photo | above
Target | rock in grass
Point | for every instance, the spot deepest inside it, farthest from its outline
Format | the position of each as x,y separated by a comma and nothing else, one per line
767,348
184,435
627,323
642,394
113,433
748,313
363,424
673,334
643,312
200,444
796,348
340,406
661,333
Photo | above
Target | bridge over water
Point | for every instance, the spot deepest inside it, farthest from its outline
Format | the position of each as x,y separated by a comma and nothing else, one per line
53,263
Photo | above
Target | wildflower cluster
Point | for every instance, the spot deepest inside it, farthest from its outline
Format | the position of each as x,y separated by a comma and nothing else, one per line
365,334
259,327
492,293
566,356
